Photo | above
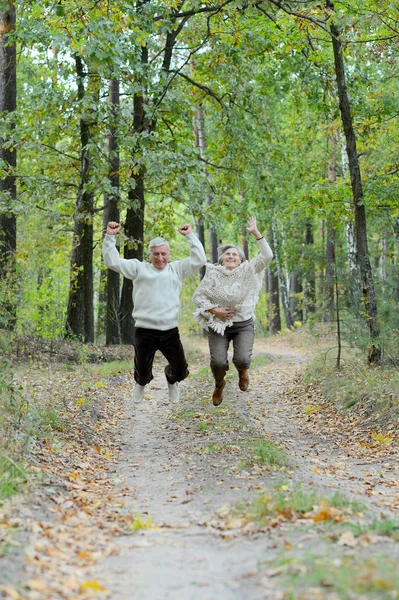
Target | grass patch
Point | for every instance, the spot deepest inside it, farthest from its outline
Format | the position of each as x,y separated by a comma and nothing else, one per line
212,448
382,527
203,374
107,370
265,453
292,503
186,414
347,576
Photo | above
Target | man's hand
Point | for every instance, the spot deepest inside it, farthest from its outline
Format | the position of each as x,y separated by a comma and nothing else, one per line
113,228
252,227
223,313
185,229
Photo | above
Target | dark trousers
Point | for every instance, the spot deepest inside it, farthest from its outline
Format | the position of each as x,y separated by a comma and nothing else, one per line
147,342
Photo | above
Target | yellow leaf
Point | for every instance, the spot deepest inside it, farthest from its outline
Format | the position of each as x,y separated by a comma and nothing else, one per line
324,512
100,384
138,523
380,438
315,470
93,585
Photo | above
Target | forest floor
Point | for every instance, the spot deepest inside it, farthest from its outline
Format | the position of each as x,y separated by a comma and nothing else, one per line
273,495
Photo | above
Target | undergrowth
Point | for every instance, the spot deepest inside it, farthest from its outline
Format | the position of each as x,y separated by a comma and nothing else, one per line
34,406
372,391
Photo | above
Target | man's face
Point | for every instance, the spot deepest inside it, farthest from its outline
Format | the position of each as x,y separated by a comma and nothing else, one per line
159,256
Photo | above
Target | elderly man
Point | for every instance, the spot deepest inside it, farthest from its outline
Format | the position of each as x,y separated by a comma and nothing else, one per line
156,292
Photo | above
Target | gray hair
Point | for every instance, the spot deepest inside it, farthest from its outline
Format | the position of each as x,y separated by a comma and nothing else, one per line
158,241
225,247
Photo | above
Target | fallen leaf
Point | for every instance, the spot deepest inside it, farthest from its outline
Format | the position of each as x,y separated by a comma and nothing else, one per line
92,585
347,539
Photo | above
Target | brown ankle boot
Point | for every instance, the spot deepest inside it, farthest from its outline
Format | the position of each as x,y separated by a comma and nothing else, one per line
243,380
217,395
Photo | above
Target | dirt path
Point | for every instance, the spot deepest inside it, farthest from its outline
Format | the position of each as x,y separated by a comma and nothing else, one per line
267,497
186,468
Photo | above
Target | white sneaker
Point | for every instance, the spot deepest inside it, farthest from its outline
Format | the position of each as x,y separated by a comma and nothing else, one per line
174,392
138,392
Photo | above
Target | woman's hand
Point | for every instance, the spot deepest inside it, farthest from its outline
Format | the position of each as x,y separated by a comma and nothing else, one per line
113,228
223,313
252,227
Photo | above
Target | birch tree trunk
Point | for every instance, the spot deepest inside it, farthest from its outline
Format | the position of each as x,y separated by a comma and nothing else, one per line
310,277
354,278
281,278
200,143
383,260
330,238
8,220
397,261
274,301
296,289
369,296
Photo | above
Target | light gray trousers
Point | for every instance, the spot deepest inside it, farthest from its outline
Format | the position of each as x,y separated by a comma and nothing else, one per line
242,335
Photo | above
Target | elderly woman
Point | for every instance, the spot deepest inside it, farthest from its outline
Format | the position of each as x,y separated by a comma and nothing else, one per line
226,300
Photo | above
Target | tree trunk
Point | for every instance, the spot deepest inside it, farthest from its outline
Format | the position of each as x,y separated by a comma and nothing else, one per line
281,277
200,143
8,221
354,283
370,301
111,213
296,290
329,280
396,297
330,241
353,264
383,261
134,230
274,301
309,299
134,224
80,314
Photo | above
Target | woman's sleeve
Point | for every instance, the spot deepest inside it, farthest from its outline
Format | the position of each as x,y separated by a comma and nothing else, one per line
264,258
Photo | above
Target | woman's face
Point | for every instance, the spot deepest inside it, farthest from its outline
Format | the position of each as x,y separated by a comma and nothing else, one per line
231,258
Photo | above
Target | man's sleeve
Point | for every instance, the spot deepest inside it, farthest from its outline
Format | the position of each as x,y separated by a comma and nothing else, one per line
195,261
126,267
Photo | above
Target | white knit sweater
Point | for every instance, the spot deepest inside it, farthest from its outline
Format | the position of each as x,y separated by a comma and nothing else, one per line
156,292
236,288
